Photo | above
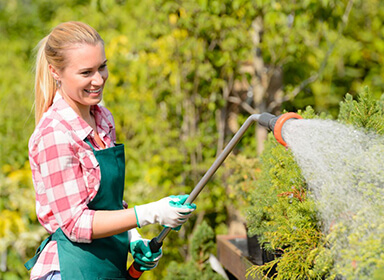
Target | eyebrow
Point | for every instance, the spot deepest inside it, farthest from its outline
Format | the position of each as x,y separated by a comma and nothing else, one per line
89,68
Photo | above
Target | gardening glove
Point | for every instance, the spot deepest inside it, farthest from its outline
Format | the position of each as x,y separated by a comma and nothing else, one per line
168,212
181,202
141,252
143,255
133,235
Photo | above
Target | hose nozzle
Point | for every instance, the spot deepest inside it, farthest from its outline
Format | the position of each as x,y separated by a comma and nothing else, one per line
276,124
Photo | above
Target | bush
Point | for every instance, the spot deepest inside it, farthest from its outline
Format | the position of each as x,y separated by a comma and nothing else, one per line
285,217
202,245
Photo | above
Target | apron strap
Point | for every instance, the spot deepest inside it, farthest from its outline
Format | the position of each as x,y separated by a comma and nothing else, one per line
89,143
29,264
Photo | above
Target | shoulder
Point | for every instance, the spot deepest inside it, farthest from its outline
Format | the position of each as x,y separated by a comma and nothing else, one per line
51,130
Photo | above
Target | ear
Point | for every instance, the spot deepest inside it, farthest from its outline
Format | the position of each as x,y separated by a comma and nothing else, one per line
54,72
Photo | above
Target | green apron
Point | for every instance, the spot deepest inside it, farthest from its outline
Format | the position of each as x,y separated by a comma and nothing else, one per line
104,258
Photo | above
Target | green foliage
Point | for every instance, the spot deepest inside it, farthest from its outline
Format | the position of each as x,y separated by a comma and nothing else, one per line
19,235
242,173
284,216
201,246
202,243
173,66
326,48
365,112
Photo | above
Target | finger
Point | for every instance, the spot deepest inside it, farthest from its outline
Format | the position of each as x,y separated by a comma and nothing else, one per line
147,267
174,198
157,259
156,256
183,217
177,228
178,204
144,248
183,198
144,261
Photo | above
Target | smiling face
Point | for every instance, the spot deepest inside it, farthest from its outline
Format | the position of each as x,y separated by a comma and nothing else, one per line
83,79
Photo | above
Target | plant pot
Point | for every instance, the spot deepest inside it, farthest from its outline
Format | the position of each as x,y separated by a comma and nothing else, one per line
232,254
255,252
258,255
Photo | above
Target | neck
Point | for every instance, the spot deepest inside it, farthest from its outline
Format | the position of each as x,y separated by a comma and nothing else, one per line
87,116
83,111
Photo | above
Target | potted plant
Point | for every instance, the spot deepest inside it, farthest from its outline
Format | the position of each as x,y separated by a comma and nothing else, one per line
284,216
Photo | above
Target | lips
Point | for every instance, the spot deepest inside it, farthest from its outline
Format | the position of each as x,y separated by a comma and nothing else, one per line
93,91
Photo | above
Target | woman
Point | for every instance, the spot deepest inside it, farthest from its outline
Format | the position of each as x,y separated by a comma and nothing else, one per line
78,170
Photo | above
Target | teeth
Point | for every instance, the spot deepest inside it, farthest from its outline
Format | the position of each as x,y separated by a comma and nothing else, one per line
93,91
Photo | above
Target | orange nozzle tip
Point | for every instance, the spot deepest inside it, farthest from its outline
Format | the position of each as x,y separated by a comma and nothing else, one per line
279,126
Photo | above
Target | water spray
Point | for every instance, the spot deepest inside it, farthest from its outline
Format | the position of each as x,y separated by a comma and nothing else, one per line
269,121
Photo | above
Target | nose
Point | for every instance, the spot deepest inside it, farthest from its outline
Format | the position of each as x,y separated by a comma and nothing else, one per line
99,78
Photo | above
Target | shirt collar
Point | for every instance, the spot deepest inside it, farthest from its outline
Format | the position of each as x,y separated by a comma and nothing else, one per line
102,120
80,127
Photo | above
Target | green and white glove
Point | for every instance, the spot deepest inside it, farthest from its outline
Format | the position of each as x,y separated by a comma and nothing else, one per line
169,212
142,254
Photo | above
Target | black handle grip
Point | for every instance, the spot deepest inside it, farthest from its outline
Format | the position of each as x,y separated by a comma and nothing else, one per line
154,245
134,271
265,120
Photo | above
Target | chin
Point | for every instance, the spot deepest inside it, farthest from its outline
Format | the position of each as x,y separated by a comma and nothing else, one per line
95,100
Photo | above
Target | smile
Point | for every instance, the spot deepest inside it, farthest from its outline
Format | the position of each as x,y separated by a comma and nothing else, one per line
94,91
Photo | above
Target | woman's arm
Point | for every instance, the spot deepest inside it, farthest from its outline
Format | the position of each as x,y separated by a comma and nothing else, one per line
169,212
107,223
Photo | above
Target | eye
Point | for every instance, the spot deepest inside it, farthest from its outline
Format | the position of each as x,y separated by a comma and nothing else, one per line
85,73
103,66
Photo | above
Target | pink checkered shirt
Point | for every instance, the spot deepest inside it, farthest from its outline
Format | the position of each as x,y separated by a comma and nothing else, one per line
66,175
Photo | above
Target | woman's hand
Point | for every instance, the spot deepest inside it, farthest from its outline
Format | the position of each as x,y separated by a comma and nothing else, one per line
143,255
169,212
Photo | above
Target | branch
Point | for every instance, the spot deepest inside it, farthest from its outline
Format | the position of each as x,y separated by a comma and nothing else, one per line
299,88
244,105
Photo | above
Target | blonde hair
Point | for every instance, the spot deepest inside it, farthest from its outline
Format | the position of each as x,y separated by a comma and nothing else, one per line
51,51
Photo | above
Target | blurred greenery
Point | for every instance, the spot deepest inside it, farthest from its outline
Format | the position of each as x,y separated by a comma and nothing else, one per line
202,246
183,76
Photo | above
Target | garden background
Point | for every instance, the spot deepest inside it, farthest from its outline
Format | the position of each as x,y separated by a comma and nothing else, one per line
184,75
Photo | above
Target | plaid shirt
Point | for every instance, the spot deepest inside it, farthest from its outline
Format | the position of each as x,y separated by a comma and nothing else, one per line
66,175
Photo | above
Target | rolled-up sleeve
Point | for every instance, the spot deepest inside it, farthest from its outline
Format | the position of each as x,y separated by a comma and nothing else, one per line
60,177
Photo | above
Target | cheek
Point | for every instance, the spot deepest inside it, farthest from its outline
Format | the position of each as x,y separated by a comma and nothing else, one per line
76,87
105,75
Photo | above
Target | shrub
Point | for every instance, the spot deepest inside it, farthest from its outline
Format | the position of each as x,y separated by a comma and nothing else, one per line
285,217
201,246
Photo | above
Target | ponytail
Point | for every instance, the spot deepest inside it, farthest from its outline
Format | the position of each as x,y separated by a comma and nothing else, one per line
45,85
